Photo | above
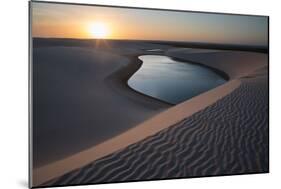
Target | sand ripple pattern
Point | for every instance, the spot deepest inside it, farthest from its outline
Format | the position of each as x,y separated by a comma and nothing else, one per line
228,137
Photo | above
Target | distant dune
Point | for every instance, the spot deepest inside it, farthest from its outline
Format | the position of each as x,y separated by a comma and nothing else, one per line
220,132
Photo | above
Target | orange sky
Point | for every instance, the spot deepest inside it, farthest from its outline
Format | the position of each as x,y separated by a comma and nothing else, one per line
75,21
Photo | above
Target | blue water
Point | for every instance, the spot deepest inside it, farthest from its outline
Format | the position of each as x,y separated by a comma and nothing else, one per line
172,81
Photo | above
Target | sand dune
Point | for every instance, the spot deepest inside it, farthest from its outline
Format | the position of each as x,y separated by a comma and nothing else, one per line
228,137
234,63
76,90
140,132
218,135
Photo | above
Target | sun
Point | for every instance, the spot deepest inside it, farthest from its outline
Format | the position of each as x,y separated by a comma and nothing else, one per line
99,30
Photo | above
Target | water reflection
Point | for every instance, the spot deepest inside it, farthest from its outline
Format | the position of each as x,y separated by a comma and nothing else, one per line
172,81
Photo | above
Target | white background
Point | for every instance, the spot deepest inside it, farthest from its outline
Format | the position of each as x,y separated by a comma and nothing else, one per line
14,92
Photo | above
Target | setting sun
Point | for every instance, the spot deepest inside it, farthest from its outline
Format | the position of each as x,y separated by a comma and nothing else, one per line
99,30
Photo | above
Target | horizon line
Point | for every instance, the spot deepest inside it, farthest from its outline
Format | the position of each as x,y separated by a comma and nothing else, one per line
157,40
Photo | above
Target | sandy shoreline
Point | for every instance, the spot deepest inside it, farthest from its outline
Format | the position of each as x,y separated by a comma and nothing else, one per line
166,119
119,82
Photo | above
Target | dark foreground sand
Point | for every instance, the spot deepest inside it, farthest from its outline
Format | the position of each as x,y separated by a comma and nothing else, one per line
79,93
223,131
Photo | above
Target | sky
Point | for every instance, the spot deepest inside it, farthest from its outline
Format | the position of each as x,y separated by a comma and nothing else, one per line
81,21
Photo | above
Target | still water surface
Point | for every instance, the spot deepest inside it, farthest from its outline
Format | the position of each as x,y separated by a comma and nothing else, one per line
172,81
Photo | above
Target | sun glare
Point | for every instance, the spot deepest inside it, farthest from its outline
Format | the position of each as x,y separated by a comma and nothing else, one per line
99,30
